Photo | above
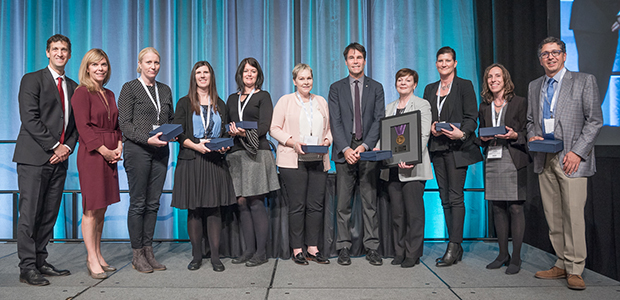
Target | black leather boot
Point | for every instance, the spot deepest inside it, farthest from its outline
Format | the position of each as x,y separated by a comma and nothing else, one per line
453,255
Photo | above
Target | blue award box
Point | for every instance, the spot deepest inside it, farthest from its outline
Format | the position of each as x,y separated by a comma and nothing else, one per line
169,131
376,155
244,125
492,131
548,146
219,143
446,126
314,149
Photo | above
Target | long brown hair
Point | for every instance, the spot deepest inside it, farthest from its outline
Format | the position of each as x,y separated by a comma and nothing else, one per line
92,56
193,87
509,87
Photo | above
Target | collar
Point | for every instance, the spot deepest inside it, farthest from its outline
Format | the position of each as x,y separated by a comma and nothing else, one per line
558,77
352,80
56,75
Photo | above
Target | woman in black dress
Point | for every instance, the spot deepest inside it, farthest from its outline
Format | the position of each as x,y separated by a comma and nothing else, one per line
202,183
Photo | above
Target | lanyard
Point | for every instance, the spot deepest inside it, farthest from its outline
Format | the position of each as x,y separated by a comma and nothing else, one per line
496,120
440,104
156,104
202,118
396,107
308,116
241,108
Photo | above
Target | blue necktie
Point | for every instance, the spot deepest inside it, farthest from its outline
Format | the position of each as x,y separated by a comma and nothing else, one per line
547,108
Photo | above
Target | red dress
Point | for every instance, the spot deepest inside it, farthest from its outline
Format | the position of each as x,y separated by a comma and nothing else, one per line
96,125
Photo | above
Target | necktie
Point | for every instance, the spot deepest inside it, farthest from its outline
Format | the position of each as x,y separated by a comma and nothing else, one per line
62,101
547,106
358,113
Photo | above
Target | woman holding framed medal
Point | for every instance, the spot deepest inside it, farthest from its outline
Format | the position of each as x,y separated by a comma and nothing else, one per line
406,182
452,149
202,182
252,166
144,104
301,119
506,159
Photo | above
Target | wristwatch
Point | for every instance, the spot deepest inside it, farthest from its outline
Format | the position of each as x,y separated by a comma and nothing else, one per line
464,137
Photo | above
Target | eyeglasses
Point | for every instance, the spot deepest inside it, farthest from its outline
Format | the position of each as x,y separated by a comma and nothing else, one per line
554,53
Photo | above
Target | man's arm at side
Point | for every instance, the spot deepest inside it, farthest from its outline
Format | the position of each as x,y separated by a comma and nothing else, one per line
30,114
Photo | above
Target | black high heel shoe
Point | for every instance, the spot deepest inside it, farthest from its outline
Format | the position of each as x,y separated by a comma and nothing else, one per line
498,263
453,255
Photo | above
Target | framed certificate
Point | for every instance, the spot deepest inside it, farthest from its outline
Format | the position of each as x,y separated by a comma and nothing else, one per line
402,135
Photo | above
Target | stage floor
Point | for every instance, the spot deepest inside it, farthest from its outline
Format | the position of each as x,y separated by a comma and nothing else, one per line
283,279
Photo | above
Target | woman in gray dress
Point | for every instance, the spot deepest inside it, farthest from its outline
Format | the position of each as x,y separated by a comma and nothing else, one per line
506,159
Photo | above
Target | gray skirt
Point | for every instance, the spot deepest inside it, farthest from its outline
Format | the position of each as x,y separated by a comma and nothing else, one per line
253,176
502,180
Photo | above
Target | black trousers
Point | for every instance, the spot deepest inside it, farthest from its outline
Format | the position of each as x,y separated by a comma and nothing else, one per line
305,192
365,173
407,201
451,182
146,173
40,195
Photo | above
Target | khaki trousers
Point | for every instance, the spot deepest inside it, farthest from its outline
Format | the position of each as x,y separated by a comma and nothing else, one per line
563,200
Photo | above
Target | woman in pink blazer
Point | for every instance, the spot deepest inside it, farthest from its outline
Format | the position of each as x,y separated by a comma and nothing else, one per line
300,119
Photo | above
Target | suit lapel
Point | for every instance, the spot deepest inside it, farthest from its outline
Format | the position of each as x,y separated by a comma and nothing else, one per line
365,94
446,110
347,92
536,94
563,96
50,80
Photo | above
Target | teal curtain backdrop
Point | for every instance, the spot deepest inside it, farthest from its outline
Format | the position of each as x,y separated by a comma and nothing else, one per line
279,34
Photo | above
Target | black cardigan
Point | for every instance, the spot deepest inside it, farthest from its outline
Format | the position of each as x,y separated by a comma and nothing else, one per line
183,115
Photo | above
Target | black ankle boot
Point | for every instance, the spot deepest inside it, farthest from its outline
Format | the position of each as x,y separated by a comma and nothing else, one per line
454,253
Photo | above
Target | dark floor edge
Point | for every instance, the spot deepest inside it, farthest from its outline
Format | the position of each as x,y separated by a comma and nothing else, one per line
273,276
444,282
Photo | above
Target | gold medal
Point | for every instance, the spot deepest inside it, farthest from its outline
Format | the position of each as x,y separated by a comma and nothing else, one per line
400,140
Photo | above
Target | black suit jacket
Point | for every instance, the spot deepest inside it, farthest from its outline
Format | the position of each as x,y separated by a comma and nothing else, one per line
459,107
341,114
42,117
515,117
183,115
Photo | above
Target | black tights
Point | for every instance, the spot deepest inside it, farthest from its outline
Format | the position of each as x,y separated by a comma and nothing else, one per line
501,210
254,225
199,219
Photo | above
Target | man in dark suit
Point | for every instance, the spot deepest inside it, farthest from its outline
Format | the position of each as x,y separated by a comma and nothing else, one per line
356,104
564,105
46,138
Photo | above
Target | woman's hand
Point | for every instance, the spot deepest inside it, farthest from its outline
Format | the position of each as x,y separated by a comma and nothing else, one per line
510,135
486,138
297,148
234,131
434,131
200,147
404,165
111,156
155,141
223,150
455,134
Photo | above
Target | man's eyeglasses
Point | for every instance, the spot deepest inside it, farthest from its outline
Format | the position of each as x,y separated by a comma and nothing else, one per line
554,53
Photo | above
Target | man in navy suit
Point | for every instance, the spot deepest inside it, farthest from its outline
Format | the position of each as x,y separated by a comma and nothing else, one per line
356,104
46,138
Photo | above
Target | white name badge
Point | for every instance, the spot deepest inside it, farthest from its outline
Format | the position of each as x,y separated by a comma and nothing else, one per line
155,127
495,152
311,140
549,125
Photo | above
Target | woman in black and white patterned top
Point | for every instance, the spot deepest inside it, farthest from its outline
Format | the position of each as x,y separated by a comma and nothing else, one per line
144,104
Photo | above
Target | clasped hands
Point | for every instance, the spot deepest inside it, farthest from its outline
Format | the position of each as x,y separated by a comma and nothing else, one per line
61,153
111,156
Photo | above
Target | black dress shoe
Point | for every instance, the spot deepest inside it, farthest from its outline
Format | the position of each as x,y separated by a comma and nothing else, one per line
454,254
514,267
397,260
33,277
410,262
318,258
343,257
194,265
498,263
218,266
241,259
49,270
300,259
256,261
373,257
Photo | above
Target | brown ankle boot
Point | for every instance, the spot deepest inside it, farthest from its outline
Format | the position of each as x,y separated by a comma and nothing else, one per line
139,262
150,258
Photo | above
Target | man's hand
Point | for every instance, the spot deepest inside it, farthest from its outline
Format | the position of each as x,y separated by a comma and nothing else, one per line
536,138
571,163
61,153
351,156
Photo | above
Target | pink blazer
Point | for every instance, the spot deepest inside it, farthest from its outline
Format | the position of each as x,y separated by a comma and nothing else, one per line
285,125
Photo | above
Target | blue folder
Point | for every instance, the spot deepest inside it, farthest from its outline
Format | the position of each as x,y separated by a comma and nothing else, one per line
548,146
170,131
219,143
376,155
446,126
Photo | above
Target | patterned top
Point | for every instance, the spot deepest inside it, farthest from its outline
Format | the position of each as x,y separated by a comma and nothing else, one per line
136,112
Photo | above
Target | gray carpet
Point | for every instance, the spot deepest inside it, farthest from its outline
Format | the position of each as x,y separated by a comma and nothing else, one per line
282,279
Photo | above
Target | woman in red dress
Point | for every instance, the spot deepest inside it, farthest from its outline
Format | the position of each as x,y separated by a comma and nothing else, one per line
100,148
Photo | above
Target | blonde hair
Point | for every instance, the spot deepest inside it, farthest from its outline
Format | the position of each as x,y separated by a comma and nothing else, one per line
92,56
142,53
300,67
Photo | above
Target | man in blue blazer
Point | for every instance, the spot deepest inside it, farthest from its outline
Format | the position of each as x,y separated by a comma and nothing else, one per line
356,104
46,138
564,105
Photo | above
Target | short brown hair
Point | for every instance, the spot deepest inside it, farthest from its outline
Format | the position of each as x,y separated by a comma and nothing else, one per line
354,46
406,72
58,38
